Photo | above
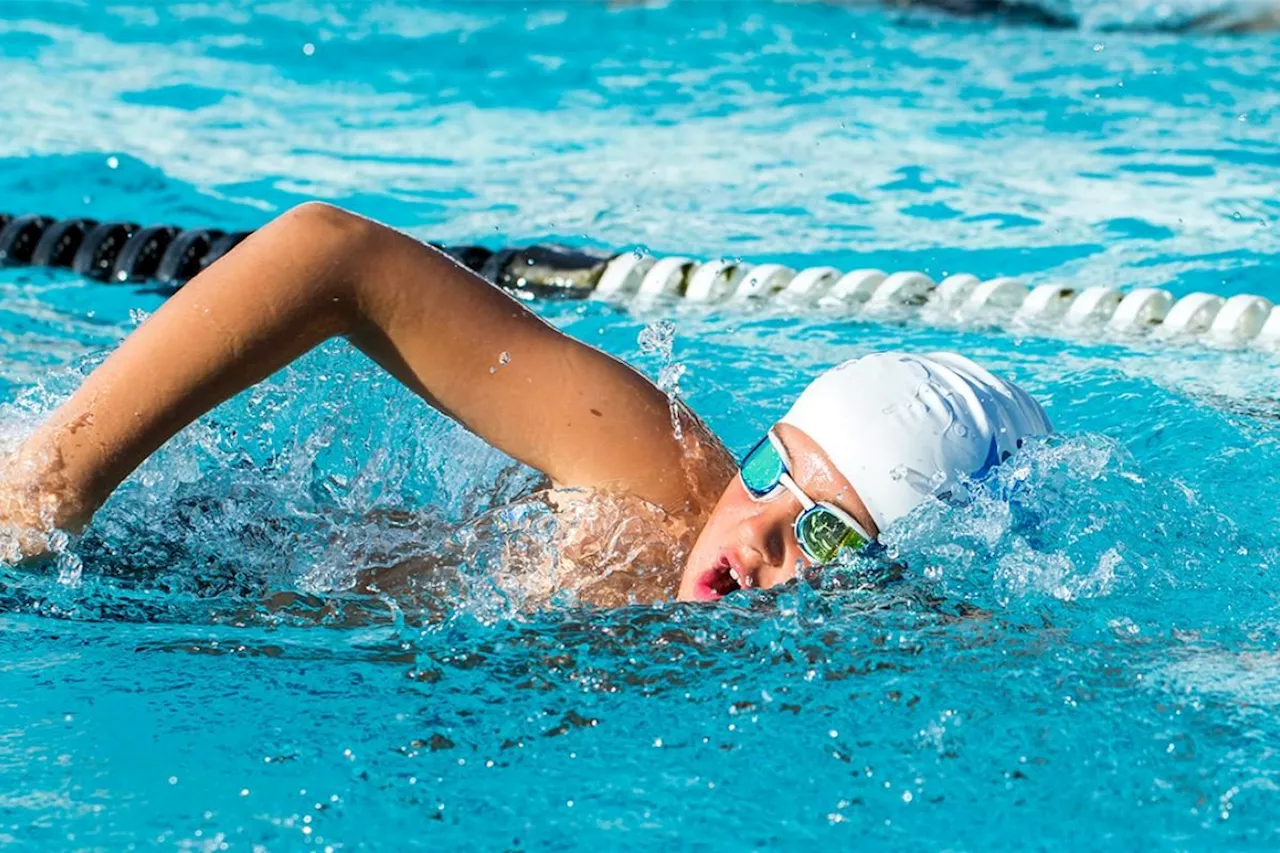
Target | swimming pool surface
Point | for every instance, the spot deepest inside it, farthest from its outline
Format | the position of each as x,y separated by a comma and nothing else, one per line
1086,658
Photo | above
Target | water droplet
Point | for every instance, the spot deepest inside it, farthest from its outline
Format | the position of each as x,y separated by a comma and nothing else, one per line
918,481
658,338
308,49
504,357
113,162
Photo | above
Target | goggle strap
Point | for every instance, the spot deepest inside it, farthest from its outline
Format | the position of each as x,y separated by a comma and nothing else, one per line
778,446
805,501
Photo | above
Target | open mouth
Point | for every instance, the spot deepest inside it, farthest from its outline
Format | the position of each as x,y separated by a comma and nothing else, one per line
718,581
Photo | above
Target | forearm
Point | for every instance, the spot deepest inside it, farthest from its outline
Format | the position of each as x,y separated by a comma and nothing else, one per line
284,290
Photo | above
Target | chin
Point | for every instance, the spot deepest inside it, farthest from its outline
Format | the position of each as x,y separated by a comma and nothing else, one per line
687,578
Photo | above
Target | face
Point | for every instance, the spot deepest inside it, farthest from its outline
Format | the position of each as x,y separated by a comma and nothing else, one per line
752,544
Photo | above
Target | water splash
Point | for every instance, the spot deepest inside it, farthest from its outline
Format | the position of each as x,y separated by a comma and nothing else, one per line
658,338
1070,518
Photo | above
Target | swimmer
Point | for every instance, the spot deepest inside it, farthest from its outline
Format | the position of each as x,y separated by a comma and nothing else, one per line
863,445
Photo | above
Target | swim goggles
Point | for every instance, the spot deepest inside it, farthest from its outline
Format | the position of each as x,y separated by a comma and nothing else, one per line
822,529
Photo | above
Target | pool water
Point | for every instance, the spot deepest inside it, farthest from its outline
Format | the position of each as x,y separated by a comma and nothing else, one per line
1087,656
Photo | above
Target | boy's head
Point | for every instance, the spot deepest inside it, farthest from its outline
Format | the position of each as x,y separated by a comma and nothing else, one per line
867,442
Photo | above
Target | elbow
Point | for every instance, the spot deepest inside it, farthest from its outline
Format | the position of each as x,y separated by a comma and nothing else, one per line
332,247
323,217
324,229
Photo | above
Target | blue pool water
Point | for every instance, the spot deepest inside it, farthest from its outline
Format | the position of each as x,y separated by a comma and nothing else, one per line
1088,657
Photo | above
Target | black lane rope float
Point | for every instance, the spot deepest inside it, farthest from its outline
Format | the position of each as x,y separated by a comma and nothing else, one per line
165,256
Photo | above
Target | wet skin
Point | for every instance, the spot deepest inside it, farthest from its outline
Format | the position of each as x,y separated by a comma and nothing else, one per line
752,544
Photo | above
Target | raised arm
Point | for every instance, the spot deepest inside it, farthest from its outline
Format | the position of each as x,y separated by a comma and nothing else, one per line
567,409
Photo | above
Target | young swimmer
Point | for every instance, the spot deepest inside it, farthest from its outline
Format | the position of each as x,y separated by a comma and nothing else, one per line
863,445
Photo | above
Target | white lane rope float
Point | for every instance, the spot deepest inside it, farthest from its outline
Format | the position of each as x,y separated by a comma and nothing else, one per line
1243,320
165,256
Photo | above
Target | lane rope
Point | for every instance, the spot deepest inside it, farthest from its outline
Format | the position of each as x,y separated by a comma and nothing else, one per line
164,257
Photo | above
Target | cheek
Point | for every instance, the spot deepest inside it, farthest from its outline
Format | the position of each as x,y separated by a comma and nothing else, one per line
734,509
712,531
721,524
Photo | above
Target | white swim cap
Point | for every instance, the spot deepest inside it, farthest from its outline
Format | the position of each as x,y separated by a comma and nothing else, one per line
903,427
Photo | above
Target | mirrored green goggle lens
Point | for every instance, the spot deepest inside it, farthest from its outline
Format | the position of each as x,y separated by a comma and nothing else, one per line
822,534
762,468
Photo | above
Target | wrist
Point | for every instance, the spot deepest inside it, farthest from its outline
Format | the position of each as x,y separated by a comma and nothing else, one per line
36,493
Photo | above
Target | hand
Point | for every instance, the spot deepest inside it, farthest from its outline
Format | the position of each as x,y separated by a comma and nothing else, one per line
22,537
32,509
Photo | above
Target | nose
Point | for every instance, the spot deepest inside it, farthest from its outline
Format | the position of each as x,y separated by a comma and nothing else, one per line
765,537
